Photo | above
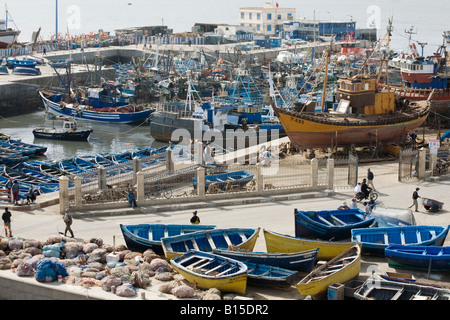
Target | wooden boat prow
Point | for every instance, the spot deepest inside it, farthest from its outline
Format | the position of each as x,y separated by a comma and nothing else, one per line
208,270
340,269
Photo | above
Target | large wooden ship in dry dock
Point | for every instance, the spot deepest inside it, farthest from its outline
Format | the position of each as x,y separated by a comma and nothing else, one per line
365,115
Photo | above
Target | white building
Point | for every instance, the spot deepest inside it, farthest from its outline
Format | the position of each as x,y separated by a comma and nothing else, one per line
267,20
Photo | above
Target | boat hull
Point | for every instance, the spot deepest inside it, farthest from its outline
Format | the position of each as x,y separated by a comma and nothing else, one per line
208,240
435,258
264,275
375,240
308,130
340,269
68,136
276,242
186,265
329,225
7,38
143,237
92,115
298,261
167,127
377,289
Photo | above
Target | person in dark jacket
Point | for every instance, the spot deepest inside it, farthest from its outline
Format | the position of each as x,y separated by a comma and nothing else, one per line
370,179
132,198
6,216
68,221
195,219
15,190
415,196
365,188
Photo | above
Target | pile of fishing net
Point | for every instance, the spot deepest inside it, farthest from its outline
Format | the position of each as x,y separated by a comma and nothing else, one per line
93,263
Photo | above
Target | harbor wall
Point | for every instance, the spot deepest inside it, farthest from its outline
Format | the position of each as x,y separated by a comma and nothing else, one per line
21,96
27,288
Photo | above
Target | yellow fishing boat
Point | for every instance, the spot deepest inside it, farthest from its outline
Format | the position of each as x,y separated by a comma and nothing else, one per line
276,242
207,270
340,269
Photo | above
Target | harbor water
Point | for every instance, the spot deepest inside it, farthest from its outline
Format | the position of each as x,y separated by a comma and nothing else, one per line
105,138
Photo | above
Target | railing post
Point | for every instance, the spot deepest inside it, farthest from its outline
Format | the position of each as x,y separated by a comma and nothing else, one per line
198,153
140,186
137,166
63,194
169,161
78,194
330,165
314,172
201,182
101,178
421,173
433,161
259,178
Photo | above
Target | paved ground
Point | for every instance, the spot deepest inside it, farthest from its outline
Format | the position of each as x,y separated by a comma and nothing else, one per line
276,216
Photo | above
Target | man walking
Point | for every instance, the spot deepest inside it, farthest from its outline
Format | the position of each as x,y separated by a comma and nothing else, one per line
415,196
68,221
7,221
370,178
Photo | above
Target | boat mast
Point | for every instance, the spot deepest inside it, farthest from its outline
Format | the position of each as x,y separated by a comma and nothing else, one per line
386,56
324,92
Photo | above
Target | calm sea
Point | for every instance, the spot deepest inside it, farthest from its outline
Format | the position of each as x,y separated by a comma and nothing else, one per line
428,19
105,138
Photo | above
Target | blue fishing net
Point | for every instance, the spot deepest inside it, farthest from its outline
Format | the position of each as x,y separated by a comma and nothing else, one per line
48,270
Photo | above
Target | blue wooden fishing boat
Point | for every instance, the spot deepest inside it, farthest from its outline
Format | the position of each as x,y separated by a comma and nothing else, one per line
375,240
207,240
44,167
83,164
122,114
379,289
208,270
19,149
69,167
236,178
3,70
435,258
20,176
141,237
38,150
14,62
297,261
264,275
41,175
26,71
330,224
10,158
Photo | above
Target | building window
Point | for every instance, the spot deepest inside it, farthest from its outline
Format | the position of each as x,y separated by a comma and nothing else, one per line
242,15
269,28
279,17
250,16
269,16
258,27
258,16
